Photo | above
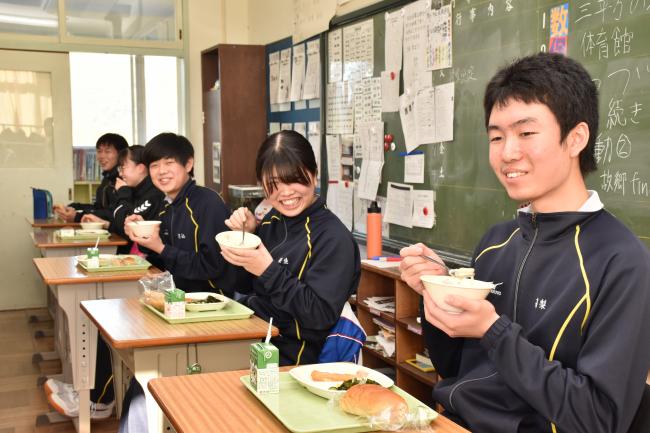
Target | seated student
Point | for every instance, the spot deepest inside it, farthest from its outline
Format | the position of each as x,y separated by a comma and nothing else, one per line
136,194
184,242
108,148
562,346
308,264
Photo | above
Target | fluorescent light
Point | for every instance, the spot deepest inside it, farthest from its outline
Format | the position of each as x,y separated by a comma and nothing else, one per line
29,21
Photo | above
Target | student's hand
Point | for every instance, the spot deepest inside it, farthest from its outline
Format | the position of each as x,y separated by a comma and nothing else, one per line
94,219
119,183
66,213
473,322
153,242
127,220
413,266
242,216
254,261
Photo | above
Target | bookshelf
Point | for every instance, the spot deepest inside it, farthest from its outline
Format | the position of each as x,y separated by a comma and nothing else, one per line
87,174
408,332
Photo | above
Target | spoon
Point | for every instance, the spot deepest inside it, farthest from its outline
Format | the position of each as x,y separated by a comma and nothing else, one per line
243,233
438,262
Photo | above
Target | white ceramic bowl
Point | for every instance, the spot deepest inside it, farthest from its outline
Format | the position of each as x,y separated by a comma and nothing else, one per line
302,374
233,239
143,229
90,225
439,286
212,306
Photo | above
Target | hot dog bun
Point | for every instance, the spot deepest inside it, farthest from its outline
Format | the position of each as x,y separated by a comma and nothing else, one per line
374,400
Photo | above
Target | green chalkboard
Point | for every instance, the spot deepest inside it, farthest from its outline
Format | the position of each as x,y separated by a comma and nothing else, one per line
614,45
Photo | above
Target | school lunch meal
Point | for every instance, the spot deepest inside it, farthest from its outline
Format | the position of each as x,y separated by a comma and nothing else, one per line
111,260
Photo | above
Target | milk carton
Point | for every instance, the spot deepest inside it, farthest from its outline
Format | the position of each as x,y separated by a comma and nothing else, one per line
175,304
265,368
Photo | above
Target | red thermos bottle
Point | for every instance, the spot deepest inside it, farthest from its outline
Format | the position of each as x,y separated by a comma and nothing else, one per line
373,227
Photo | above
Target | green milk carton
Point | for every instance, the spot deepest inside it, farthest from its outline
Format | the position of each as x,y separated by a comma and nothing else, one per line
265,368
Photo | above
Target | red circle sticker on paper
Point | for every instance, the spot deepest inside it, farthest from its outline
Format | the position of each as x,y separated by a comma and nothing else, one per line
425,211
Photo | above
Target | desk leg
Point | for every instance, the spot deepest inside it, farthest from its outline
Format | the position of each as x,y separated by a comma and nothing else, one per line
82,423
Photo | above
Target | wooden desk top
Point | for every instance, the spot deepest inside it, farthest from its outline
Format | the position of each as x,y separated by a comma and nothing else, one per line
126,323
51,223
196,404
64,270
392,272
48,239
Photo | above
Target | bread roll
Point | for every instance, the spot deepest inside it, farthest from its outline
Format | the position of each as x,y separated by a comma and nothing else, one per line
374,401
155,299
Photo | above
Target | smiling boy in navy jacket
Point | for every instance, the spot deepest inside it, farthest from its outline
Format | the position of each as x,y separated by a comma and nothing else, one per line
191,216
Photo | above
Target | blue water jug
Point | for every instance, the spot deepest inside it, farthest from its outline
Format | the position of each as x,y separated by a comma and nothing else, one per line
42,203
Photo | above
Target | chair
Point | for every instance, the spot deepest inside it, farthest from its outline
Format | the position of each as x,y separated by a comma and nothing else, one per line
641,421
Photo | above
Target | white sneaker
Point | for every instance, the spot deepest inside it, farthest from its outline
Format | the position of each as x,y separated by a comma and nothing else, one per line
53,386
67,403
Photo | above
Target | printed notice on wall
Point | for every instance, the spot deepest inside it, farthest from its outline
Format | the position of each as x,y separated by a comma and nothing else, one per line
285,76
439,50
399,204
298,72
311,89
340,108
358,51
274,76
335,55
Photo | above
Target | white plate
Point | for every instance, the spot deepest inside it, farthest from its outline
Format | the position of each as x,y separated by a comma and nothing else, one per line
303,375
213,306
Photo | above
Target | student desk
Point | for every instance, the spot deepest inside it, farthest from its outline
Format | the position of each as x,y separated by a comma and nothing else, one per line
50,224
70,284
196,404
53,246
151,348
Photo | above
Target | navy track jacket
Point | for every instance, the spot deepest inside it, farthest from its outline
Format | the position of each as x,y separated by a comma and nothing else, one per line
191,254
571,351
315,269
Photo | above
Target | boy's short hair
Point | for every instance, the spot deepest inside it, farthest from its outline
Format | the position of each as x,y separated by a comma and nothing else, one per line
169,145
135,153
111,139
560,83
286,157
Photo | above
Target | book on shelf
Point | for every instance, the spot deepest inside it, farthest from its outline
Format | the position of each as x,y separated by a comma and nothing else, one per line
85,166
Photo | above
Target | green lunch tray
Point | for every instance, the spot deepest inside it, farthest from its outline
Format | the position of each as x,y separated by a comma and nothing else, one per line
303,412
232,311
141,265
83,236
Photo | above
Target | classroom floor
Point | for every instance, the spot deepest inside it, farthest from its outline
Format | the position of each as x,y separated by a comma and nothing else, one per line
21,400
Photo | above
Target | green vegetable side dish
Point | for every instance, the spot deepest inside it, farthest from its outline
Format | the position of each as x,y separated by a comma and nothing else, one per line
351,382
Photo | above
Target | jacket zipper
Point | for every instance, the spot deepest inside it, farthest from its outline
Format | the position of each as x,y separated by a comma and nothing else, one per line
286,233
523,263
453,390
171,226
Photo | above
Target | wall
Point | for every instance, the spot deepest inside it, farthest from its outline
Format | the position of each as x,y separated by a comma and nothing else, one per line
270,21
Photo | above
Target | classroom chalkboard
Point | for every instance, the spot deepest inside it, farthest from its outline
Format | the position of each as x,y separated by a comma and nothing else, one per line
612,40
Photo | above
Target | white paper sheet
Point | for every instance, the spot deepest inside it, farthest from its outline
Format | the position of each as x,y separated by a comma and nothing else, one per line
369,179
424,214
286,127
335,55
311,17
274,76
274,127
389,91
284,85
414,168
358,51
399,204
407,118
367,100
440,44
393,40
444,112
371,135
345,210
425,121
300,128
313,135
298,72
333,147
416,26
311,88
340,108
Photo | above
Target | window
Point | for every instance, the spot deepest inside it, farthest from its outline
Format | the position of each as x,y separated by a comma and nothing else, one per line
132,95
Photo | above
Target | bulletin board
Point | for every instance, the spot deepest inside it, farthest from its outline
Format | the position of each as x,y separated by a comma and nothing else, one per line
613,44
304,115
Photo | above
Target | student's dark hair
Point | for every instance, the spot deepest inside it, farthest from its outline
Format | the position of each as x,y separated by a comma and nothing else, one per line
169,145
560,83
135,153
111,139
286,157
